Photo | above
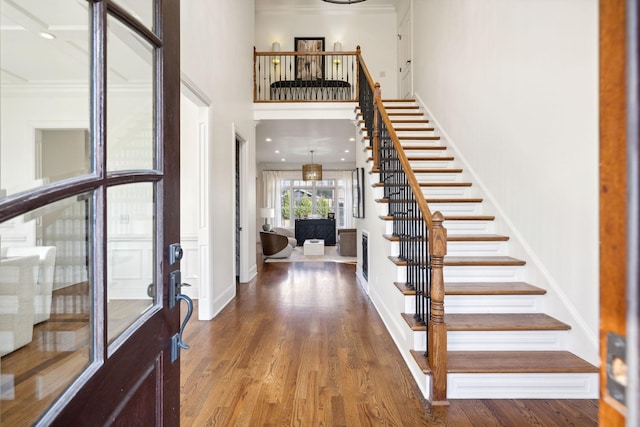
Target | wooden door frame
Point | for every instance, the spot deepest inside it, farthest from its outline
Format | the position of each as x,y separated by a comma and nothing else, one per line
619,185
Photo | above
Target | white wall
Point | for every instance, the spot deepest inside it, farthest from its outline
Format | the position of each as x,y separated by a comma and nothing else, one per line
514,84
217,57
372,28
189,194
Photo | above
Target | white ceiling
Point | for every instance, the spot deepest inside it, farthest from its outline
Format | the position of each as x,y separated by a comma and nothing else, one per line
66,58
293,140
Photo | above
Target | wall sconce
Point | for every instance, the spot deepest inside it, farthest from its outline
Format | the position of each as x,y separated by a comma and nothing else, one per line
275,47
337,47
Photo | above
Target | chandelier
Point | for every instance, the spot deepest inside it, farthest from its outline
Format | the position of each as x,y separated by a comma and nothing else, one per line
344,1
312,171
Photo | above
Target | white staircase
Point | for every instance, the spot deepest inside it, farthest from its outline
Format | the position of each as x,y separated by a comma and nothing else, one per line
500,342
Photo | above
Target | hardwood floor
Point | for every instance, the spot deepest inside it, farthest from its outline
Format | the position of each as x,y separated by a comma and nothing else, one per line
303,345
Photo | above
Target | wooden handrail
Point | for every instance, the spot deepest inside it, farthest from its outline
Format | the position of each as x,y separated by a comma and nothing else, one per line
437,244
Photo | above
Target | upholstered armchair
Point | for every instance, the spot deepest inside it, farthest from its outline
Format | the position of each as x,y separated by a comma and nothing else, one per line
347,242
275,245
16,301
43,274
291,235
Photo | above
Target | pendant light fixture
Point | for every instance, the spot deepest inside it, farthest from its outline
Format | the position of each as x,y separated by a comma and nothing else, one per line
312,171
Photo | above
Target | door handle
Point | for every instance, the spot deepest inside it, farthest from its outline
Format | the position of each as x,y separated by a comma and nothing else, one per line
189,301
175,296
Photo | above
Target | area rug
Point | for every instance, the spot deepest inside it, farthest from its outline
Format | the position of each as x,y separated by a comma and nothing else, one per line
330,255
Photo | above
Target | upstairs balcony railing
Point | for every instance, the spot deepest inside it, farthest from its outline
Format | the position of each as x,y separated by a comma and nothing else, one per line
305,77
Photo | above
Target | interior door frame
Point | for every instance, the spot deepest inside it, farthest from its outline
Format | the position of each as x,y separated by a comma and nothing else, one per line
405,53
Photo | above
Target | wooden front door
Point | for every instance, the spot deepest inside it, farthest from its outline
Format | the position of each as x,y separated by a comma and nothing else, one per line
103,348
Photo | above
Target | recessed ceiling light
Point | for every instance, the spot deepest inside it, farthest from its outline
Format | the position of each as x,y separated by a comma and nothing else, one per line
277,151
283,160
268,139
352,139
47,36
346,151
342,159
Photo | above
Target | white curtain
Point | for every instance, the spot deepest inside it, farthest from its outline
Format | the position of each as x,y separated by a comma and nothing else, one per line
271,194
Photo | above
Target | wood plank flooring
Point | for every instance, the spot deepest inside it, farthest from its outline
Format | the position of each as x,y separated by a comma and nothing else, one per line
302,345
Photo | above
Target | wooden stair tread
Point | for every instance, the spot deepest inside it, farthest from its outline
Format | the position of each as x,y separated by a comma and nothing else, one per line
475,261
408,121
411,138
462,238
481,261
491,288
418,137
503,322
469,218
414,129
398,100
413,323
410,147
412,113
437,170
429,159
422,361
428,184
451,218
402,287
517,362
496,362
451,200
401,107
476,238
480,288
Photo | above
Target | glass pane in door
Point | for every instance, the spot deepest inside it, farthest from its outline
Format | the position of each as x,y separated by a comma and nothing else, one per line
45,306
44,93
131,257
142,10
130,100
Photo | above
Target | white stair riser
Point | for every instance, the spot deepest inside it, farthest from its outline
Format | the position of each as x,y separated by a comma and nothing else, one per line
457,208
444,208
482,274
468,227
438,177
456,227
498,340
434,192
426,153
420,164
464,248
490,248
493,303
484,303
522,386
507,340
412,132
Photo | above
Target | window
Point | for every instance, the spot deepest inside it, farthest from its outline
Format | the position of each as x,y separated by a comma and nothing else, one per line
308,199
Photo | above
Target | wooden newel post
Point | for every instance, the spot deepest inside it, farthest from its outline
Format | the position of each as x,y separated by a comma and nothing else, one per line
376,127
437,327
